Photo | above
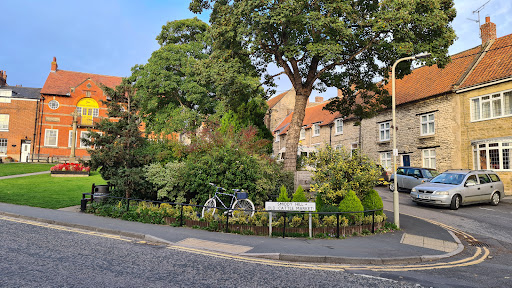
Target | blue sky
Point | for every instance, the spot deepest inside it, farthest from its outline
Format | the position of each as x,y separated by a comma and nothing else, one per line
110,36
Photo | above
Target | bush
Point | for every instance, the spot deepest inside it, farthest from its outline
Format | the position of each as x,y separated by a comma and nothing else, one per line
299,195
283,196
352,204
167,180
372,201
337,171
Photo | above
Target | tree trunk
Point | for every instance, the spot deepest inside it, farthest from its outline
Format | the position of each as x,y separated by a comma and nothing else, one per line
293,134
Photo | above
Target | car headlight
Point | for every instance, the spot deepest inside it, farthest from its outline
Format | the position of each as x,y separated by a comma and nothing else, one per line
441,193
413,190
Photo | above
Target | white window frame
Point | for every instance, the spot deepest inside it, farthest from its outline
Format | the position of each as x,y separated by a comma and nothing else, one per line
353,146
385,131
339,126
3,146
53,107
4,122
428,157
46,137
385,160
316,129
497,106
95,112
501,149
82,133
302,133
428,123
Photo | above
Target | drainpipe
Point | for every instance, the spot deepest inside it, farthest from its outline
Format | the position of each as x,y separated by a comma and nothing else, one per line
40,127
35,130
330,135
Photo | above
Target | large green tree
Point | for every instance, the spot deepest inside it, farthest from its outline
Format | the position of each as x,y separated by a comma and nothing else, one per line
346,44
186,81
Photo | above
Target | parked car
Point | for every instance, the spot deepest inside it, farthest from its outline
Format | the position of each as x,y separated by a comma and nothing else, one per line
408,177
460,187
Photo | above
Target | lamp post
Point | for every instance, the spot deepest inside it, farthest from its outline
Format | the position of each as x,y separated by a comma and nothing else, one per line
396,212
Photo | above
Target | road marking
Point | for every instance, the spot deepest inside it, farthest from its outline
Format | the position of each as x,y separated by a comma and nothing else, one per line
375,277
489,209
478,257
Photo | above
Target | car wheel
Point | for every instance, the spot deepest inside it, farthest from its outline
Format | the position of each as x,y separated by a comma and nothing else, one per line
455,202
392,186
495,199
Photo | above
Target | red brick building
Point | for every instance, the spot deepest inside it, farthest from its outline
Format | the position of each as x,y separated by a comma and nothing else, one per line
63,93
18,107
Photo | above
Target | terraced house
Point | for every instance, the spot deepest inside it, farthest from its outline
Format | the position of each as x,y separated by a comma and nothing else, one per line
18,107
451,118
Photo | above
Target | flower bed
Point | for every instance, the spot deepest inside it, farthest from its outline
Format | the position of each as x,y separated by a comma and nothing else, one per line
69,170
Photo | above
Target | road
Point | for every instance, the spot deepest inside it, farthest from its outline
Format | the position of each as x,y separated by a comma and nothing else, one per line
37,255
490,225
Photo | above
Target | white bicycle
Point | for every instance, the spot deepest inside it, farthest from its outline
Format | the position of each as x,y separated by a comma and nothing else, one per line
239,201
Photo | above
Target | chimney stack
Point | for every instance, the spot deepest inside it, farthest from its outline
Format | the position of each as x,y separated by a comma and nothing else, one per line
54,64
488,30
319,99
3,78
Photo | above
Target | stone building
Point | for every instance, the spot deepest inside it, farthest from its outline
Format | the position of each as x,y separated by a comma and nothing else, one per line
63,93
458,117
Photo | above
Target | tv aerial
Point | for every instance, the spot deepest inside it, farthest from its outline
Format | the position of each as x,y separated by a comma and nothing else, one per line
477,11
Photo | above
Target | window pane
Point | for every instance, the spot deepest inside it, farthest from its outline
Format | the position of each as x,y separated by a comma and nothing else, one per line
494,158
3,146
507,99
483,159
475,106
486,110
431,128
496,108
506,159
424,129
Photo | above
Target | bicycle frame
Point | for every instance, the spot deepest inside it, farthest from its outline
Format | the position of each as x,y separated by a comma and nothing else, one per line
233,198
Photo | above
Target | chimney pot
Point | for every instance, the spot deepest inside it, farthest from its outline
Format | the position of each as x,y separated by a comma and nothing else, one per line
54,64
488,31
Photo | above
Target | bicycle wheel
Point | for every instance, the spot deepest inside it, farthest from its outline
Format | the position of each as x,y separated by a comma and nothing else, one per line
209,207
244,204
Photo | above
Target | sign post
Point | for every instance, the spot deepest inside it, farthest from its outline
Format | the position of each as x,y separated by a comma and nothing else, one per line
289,207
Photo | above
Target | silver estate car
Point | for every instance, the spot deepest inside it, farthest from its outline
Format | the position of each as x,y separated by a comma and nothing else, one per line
460,187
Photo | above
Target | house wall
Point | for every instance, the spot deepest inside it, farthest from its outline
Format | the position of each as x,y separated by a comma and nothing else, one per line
22,113
409,140
282,109
62,120
483,130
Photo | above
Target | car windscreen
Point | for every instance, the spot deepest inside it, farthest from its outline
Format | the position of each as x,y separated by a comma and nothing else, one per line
448,178
430,173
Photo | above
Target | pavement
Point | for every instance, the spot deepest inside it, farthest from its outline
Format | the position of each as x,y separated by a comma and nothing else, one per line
417,241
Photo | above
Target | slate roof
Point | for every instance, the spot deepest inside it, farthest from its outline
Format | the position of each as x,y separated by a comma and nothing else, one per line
61,81
23,92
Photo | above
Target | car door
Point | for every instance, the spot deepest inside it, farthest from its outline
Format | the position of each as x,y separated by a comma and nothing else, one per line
486,187
400,174
471,190
412,178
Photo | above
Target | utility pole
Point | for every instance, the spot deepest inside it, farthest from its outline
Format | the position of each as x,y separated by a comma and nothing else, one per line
72,158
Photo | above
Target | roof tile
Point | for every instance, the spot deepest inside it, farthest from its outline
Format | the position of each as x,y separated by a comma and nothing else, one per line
61,81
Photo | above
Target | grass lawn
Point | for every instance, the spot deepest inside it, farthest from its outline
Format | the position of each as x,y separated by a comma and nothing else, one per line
47,192
7,169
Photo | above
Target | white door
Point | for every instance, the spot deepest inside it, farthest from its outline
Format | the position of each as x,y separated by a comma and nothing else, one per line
25,152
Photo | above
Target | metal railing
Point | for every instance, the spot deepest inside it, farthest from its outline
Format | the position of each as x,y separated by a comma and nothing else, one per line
229,211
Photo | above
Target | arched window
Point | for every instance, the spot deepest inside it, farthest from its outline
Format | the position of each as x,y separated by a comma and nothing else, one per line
88,109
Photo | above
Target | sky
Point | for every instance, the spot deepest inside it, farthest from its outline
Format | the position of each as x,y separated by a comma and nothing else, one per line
109,37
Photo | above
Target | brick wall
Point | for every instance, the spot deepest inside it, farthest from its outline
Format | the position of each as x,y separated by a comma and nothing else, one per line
22,113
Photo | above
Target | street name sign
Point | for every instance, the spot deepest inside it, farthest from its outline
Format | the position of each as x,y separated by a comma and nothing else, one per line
290,206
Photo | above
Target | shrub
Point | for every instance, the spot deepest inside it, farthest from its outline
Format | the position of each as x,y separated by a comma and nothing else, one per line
336,171
297,221
283,196
372,201
299,195
351,203
168,180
